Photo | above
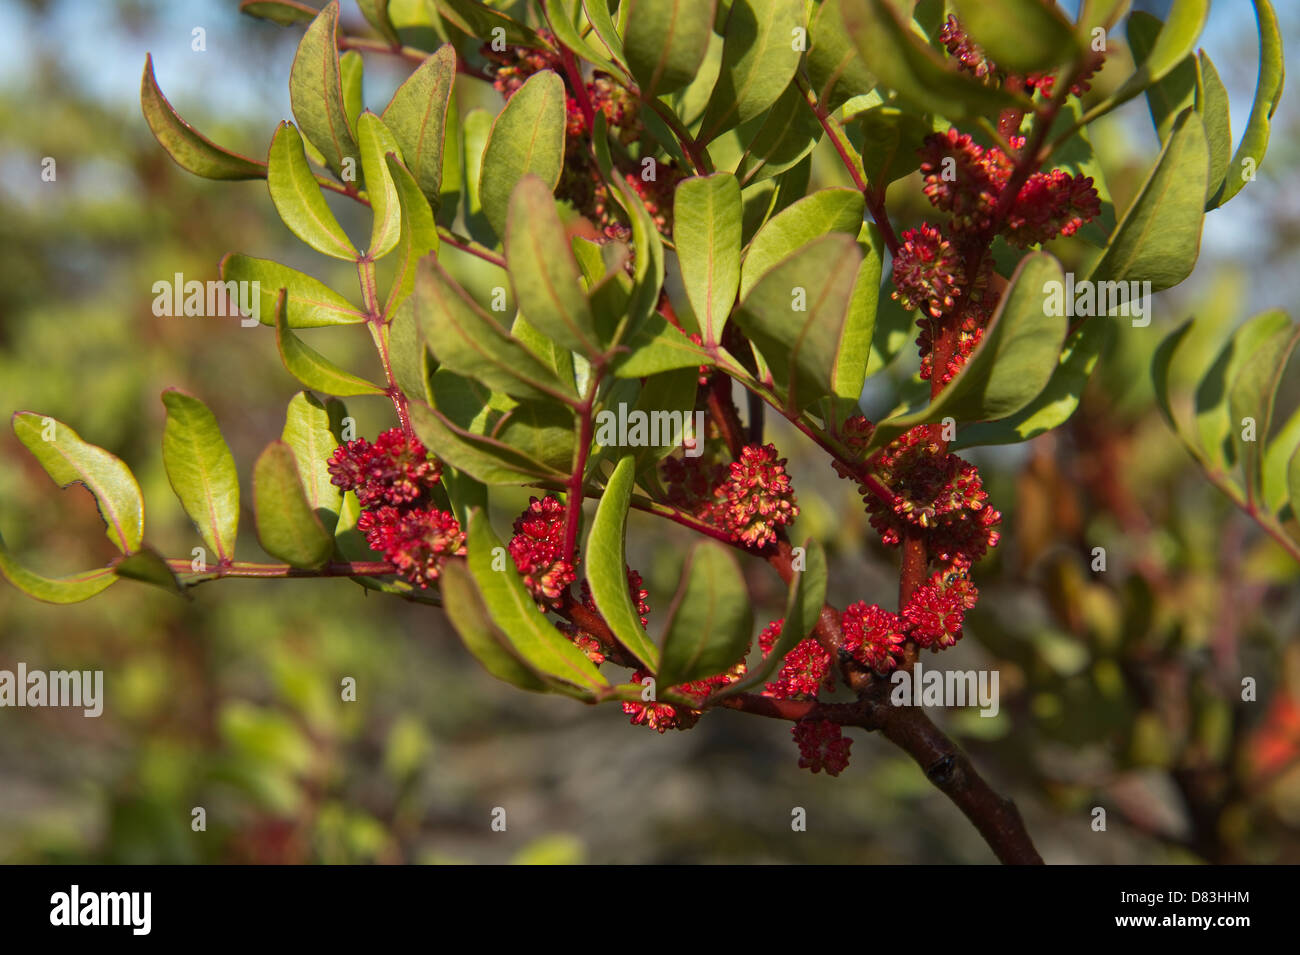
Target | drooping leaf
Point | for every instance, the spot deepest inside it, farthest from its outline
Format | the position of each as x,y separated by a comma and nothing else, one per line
759,59
316,91
69,460
312,368
469,341
709,620
486,24
147,566
1250,395
544,272
54,590
1056,402
192,151
1022,35
483,638
666,41
298,200
485,459
1268,90
527,138
1012,364
417,116
201,470
1177,38
375,143
419,235
706,229
287,526
795,314
376,14
542,647
607,565
822,212
1212,105
1159,238
803,607
835,68
903,62
310,302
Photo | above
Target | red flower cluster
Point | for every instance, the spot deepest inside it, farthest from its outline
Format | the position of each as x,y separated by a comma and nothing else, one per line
750,498
806,670
392,478
822,745
666,716
937,492
873,635
538,547
972,59
395,470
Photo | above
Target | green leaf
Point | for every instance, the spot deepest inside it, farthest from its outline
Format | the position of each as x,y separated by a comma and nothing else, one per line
287,526
316,91
759,60
351,68
853,350
417,117
835,68
54,590
1212,105
1176,40
706,228
1168,98
795,314
284,12
192,151
1293,481
482,638
822,212
597,12
803,607
315,370
1013,362
201,470
376,142
567,33
527,137
1159,238
1268,91
69,460
419,235
891,140
787,135
310,303
709,621
469,341
376,14
147,566
543,648
1214,424
1277,456
1056,402
298,198
1022,35
312,431
544,272
607,565
482,22
657,347
665,42
903,62
1250,395
486,459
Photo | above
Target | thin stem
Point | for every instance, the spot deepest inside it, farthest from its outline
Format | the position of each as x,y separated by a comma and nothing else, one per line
695,153
470,246
577,478
374,568
379,332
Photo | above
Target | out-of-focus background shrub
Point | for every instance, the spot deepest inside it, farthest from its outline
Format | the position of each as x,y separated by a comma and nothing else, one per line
1119,689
